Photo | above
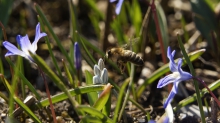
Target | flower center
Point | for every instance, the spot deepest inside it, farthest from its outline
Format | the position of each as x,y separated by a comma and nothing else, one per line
175,74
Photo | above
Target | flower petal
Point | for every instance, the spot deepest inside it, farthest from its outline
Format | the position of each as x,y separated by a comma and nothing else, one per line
25,44
184,75
97,80
101,64
172,64
175,87
171,78
104,76
151,121
12,49
166,120
38,35
169,99
118,7
169,112
97,71
171,95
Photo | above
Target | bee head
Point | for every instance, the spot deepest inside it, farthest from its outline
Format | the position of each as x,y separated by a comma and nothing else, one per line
109,53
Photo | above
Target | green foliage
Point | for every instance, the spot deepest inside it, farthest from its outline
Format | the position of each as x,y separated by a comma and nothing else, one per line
5,11
204,19
73,92
92,96
215,85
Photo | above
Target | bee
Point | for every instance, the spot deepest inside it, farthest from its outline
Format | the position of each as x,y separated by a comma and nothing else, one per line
122,56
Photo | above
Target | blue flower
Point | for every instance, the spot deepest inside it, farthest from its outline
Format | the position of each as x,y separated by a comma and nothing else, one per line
77,56
151,121
165,120
177,76
118,6
25,45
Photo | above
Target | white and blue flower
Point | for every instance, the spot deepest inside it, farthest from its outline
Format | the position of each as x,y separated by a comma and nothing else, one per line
177,76
24,44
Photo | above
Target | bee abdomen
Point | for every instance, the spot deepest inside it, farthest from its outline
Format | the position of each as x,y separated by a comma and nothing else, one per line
134,58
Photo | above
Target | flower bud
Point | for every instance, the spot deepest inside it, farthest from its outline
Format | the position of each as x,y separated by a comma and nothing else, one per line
77,56
104,76
97,71
96,80
101,64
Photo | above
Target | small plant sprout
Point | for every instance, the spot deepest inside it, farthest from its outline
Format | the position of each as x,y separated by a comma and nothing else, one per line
25,45
118,6
177,76
101,73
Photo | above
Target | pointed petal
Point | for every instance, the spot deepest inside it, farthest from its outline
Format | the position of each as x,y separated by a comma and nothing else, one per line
118,7
101,64
173,53
97,80
104,76
97,71
38,35
166,80
172,94
12,49
25,44
183,75
18,38
175,87
169,112
168,52
172,64
169,99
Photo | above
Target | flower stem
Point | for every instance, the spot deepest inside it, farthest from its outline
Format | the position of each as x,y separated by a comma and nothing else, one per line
79,98
193,74
202,81
154,10
128,92
48,95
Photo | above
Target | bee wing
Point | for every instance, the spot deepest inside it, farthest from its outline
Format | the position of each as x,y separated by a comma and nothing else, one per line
132,42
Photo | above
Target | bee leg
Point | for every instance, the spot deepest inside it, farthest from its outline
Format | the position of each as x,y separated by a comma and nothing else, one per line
122,68
121,65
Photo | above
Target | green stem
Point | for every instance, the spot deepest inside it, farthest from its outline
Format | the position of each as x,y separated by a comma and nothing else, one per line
48,95
193,74
154,10
128,92
201,81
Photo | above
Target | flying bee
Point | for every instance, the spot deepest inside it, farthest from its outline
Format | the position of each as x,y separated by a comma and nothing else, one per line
122,56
